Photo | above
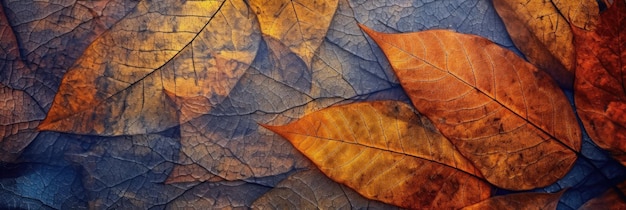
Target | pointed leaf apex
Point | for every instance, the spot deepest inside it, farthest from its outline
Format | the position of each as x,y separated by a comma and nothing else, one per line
370,32
280,130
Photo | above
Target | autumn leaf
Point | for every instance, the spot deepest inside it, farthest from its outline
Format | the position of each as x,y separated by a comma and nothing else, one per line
600,92
313,190
19,117
520,201
385,152
541,31
465,82
300,24
117,86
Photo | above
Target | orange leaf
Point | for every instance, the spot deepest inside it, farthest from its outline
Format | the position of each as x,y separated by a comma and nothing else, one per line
520,201
600,91
384,151
508,118
543,34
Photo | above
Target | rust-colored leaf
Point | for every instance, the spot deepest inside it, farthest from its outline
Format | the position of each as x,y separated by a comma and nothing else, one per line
507,117
384,151
19,116
600,88
300,24
543,34
529,201
117,86
611,199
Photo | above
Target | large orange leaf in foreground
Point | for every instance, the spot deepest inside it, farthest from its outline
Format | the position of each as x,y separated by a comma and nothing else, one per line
384,151
507,117
600,87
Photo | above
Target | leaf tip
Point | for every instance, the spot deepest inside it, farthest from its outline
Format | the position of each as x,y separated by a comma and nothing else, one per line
370,32
45,125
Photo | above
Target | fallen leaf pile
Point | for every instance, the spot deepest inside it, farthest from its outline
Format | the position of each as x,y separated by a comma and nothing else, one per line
277,104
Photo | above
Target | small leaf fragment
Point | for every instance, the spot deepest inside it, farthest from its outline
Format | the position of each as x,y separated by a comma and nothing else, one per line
539,201
507,117
600,88
384,151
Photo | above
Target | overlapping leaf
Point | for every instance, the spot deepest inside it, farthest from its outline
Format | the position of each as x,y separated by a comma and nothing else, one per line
117,86
508,118
364,145
600,88
541,31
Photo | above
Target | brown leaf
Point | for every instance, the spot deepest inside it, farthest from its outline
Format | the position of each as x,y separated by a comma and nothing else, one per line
19,116
300,24
520,201
508,118
608,200
542,34
600,92
117,86
384,151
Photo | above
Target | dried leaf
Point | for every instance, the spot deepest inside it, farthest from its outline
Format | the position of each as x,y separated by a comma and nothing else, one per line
383,151
600,88
542,34
300,24
313,190
19,117
117,86
528,201
508,118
